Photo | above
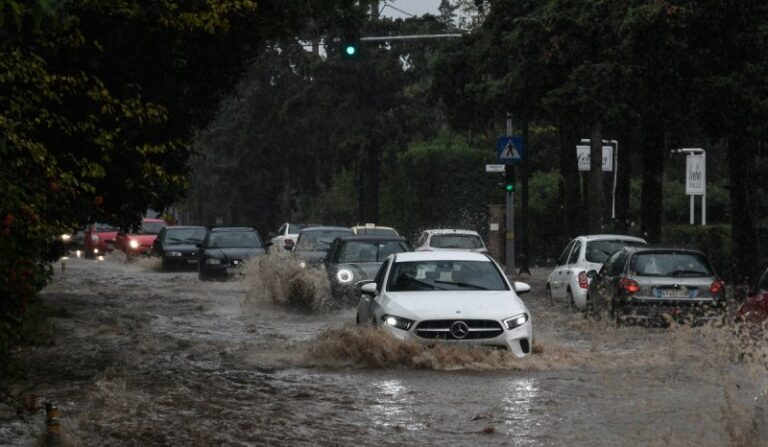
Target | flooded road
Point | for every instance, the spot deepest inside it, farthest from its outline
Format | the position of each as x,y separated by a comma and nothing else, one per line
142,357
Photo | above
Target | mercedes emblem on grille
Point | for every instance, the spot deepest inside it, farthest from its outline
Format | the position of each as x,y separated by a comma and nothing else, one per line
459,329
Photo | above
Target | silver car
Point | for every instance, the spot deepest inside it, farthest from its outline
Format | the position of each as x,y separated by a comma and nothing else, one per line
644,283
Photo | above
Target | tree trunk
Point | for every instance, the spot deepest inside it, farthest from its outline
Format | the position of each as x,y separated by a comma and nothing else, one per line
569,174
596,180
624,181
651,209
524,255
744,251
372,174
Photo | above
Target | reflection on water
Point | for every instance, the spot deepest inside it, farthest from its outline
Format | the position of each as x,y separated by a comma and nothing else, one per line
518,405
394,406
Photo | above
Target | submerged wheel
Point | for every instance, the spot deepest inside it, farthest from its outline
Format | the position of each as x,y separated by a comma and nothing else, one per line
569,298
548,292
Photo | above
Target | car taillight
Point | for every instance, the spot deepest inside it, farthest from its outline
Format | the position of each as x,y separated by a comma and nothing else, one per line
716,287
629,285
583,280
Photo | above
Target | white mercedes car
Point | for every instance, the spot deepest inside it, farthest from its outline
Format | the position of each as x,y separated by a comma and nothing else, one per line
447,296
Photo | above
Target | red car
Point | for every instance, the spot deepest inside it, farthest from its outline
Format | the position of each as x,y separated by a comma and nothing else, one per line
754,310
99,239
140,242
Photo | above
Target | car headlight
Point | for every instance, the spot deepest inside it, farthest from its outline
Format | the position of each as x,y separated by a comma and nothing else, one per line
344,276
396,322
213,261
133,243
516,321
173,253
66,237
303,264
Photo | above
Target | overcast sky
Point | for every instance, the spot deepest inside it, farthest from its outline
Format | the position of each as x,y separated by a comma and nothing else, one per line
413,7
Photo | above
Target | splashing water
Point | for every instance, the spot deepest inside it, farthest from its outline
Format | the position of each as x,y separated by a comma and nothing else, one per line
279,279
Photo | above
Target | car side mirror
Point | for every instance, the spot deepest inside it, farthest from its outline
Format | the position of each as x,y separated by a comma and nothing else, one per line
368,289
592,274
521,287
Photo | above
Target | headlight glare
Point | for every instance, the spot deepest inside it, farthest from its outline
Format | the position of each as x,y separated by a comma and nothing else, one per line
212,261
173,253
65,237
344,276
396,322
303,264
133,243
516,321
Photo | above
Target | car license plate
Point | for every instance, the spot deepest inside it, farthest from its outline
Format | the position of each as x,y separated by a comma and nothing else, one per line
671,293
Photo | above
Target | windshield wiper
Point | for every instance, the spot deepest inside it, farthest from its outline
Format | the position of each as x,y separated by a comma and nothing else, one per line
463,284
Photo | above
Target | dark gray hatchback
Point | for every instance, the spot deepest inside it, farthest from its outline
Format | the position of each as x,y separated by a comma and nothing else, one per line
225,249
656,283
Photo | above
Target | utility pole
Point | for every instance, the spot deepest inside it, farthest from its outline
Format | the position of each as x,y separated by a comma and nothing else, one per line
509,266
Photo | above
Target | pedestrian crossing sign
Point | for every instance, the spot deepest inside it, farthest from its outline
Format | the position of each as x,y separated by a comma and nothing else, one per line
510,149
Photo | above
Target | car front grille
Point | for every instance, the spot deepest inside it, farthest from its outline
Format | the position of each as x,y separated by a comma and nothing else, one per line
453,329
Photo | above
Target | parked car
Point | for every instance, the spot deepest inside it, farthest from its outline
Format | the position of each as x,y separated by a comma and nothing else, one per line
754,310
447,296
356,258
287,235
450,239
177,245
313,243
99,238
568,281
374,230
652,283
224,251
140,242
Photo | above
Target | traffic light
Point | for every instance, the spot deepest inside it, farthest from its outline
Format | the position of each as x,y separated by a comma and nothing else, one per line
509,179
350,47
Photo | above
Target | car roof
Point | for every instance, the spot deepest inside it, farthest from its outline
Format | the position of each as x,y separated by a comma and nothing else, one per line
371,237
443,255
372,226
151,219
183,227
220,229
611,237
637,250
451,231
326,228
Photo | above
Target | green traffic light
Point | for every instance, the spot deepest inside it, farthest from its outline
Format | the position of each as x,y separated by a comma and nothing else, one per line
350,50
510,187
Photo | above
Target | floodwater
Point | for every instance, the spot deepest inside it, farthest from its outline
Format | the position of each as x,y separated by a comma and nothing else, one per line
143,357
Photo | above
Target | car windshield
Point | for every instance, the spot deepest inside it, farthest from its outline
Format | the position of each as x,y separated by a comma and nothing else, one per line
177,236
670,264
457,241
151,227
600,251
103,228
319,239
369,251
444,275
234,239
376,231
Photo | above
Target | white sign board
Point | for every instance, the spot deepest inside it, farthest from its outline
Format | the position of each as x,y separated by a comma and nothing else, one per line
582,153
494,168
695,175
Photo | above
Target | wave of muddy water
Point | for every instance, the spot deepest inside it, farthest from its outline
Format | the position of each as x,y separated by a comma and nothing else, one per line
150,358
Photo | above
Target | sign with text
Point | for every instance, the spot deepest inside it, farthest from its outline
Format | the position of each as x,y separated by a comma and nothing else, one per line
582,153
695,175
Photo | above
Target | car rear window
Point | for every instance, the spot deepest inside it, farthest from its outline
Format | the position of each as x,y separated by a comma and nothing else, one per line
600,251
458,241
670,264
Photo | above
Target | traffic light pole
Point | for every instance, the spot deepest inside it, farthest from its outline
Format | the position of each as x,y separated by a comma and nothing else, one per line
509,264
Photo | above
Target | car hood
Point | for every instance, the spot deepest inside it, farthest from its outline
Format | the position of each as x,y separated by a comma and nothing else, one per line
184,248
361,270
444,305
234,253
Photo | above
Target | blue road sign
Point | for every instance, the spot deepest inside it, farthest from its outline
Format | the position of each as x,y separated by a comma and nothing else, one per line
510,149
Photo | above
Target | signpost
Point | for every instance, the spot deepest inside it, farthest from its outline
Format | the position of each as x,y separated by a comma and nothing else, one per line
494,168
610,163
696,180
